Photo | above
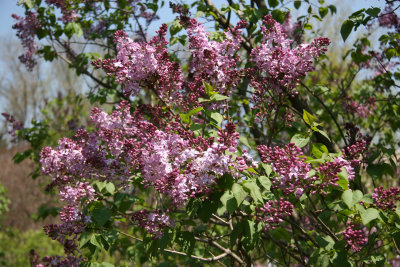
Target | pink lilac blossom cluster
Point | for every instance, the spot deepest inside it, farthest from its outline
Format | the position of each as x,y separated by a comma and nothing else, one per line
292,30
175,168
329,173
145,65
386,199
357,145
15,124
274,212
26,28
280,66
388,18
358,109
355,236
153,222
213,62
290,168
171,160
292,173
52,261
68,13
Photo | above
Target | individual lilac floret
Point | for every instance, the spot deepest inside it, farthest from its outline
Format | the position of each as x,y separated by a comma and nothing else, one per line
274,212
385,199
291,170
355,236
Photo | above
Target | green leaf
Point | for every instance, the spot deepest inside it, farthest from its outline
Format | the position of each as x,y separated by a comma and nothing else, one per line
375,171
307,26
343,180
110,187
194,111
229,202
357,196
267,168
217,117
218,97
238,193
106,264
175,27
367,198
297,4
325,242
73,28
322,261
84,239
265,182
347,198
346,29
273,3
323,11
208,88
318,150
244,141
94,240
248,238
254,191
300,139
322,133
187,241
341,260
332,8
308,118
101,216
28,3
373,11
237,230
369,215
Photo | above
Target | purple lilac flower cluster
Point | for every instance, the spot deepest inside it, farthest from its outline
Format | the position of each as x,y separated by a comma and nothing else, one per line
357,147
51,261
389,18
385,199
355,236
278,67
174,162
360,110
291,168
274,212
26,28
328,172
153,222
145,65
16,125
68,14
292,172
213,62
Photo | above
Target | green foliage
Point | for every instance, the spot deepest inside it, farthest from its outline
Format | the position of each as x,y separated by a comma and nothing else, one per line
15,246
